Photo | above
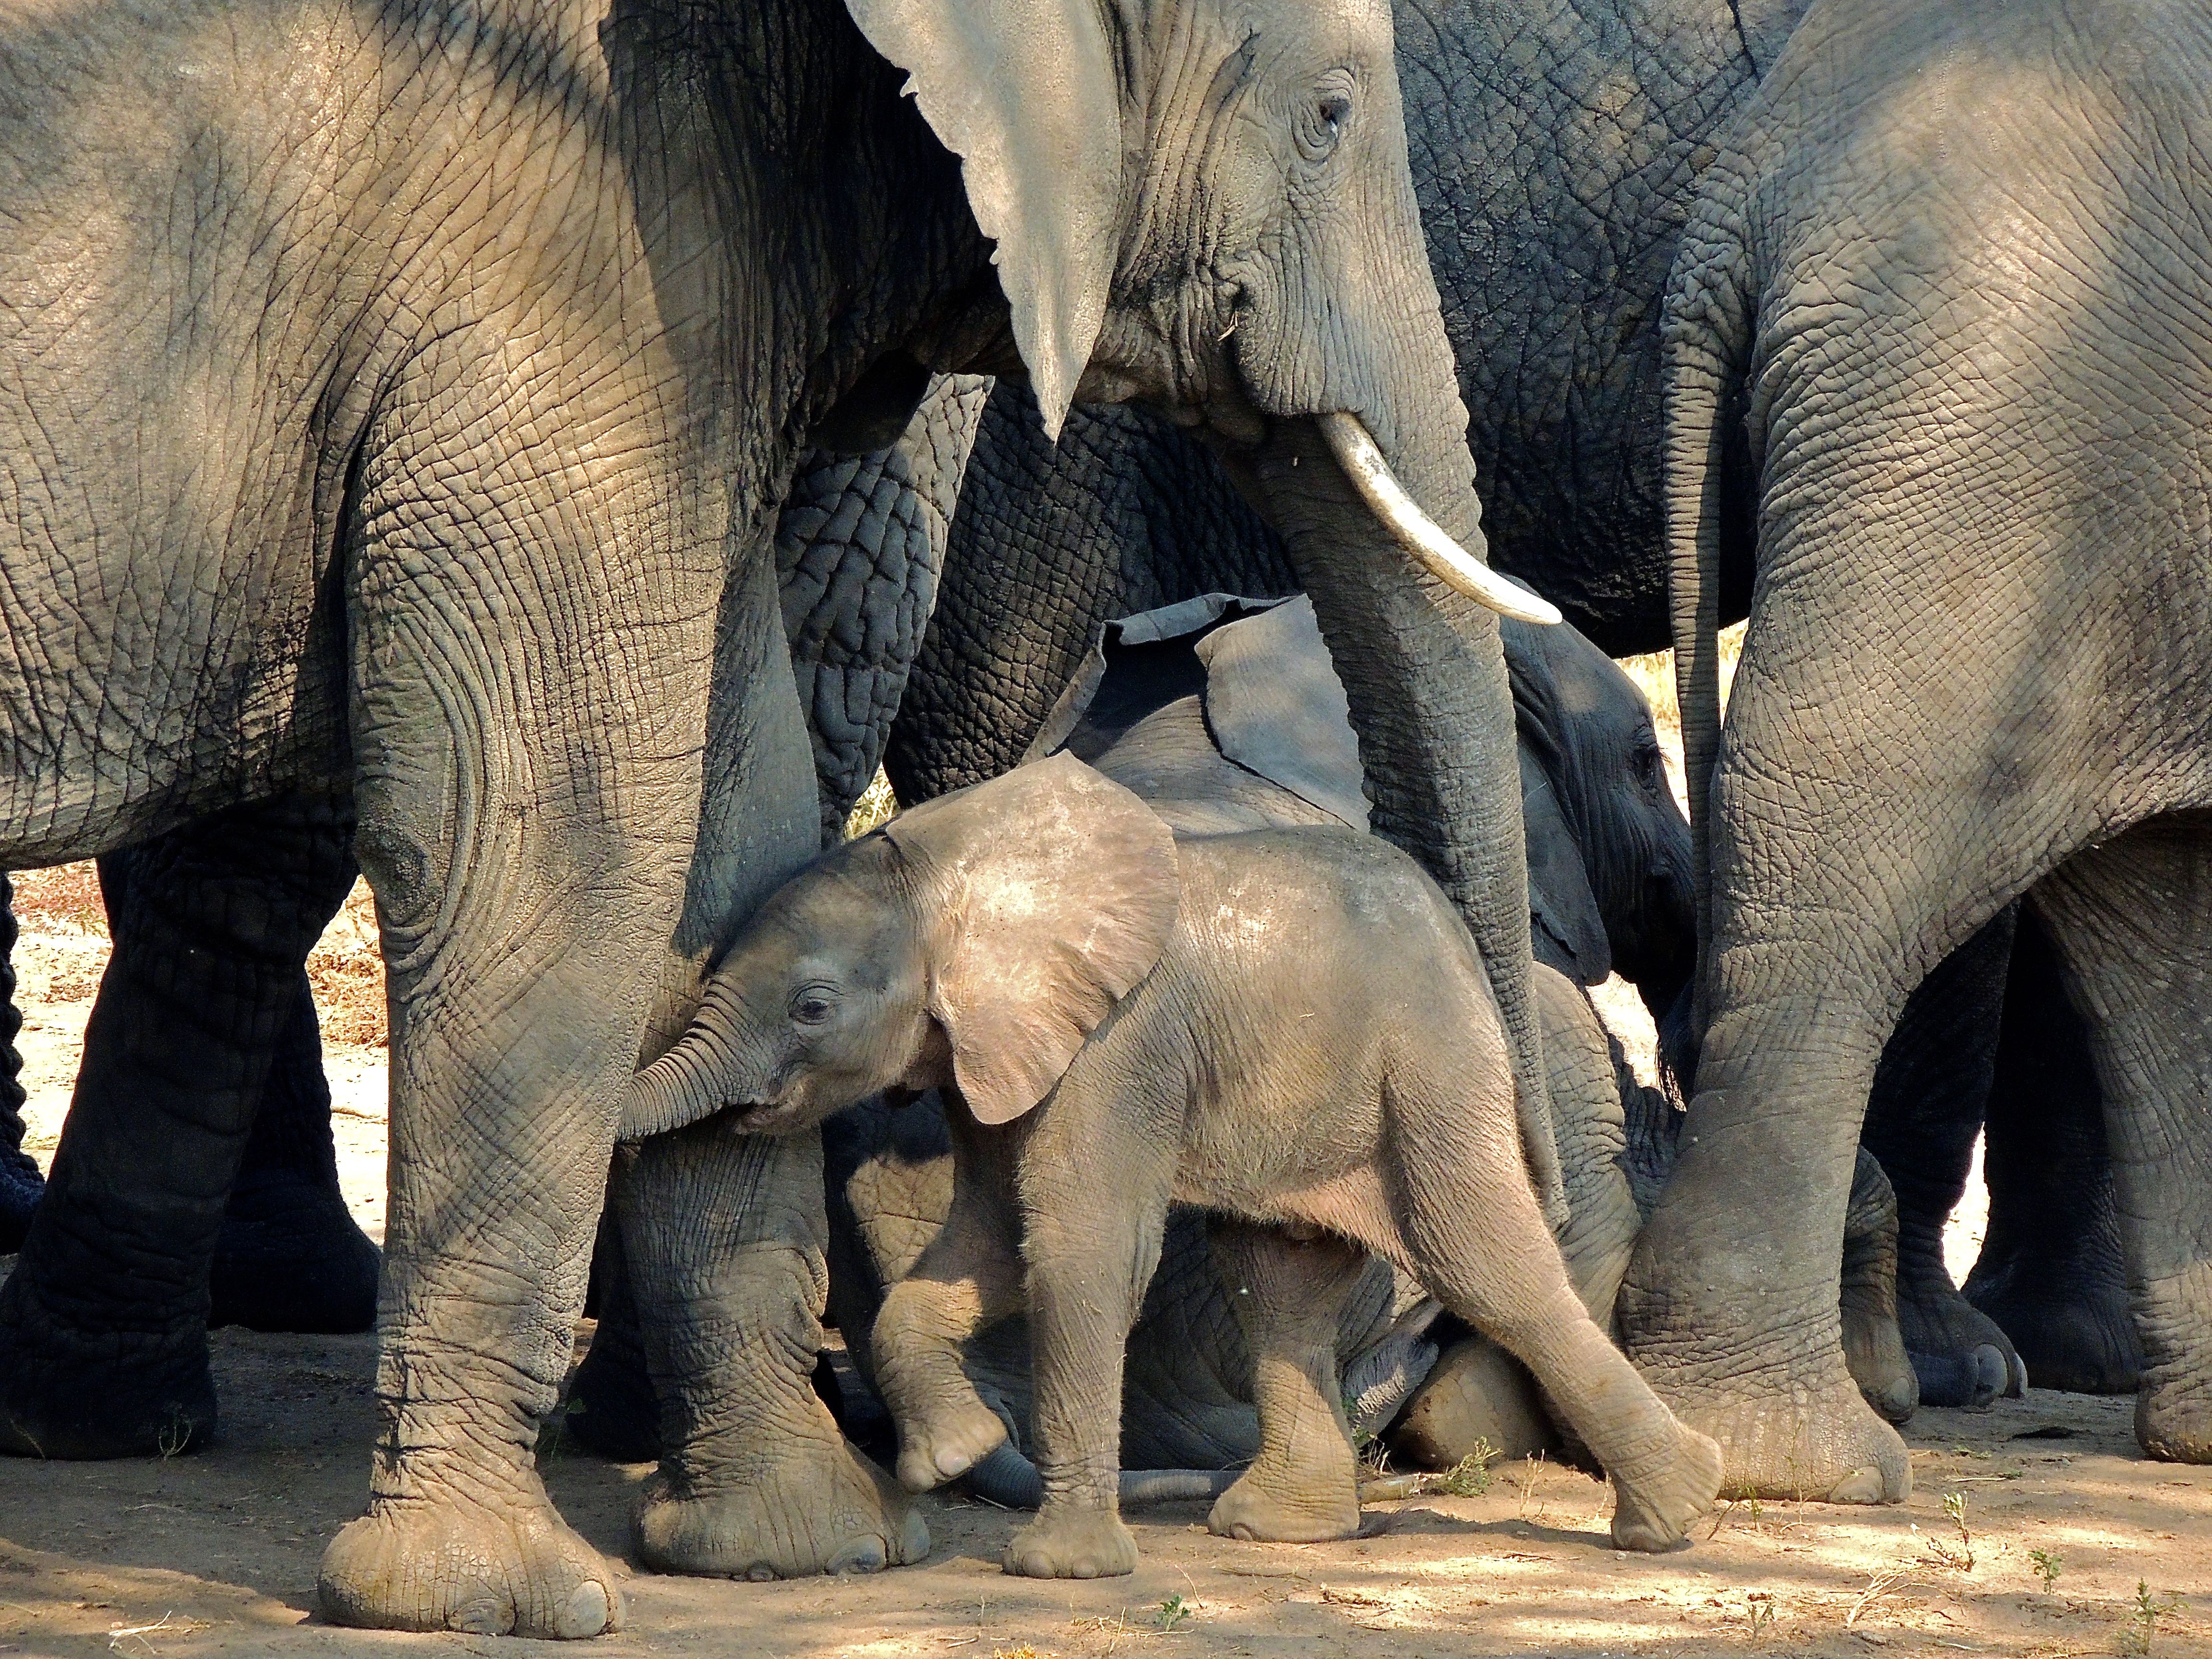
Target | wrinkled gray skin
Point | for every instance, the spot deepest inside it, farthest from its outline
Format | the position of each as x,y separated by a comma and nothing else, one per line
1976,443
1043,940
1227,723
593,315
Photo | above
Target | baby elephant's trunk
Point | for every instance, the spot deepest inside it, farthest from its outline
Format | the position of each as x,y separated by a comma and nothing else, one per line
1010,1479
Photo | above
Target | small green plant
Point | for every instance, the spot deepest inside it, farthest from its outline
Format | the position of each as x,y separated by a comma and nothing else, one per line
2142,1623
1361,1437
1172,1612
175,1435
1759,1608
1961,1554
1469,1477
2047,1564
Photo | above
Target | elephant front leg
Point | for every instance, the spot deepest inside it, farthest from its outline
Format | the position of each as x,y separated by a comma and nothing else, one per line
1288,1294
1090,1242
725,1238
103,1326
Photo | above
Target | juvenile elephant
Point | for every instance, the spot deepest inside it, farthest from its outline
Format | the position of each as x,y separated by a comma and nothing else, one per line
1225,714
1287,1025
1937,349
449,497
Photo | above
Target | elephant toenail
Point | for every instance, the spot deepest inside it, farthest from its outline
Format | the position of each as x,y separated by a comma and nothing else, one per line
586,1613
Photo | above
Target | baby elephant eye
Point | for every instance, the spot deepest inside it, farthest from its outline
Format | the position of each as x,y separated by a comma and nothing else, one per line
813,1005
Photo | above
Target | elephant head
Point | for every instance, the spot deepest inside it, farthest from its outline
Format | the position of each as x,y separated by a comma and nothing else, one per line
1608,848
1209,208
973,942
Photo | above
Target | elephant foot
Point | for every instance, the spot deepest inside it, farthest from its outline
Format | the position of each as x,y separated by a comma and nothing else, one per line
1815,1442
2173,1421
824,1510
2080,1341
291,1258
1875,1351
1259,1509
441,1564
1959,1355
945,1439
1653,1510
65,1395
1066,1542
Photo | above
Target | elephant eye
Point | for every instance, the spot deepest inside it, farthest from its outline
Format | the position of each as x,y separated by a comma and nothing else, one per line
813,1005
1324,119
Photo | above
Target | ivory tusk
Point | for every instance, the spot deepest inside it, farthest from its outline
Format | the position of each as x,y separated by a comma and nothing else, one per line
1418,533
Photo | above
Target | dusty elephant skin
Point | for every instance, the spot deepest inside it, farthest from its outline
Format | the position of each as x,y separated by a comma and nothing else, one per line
1042,944
557,287
1974,668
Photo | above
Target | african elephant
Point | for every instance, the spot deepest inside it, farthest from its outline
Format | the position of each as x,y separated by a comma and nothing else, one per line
1934,348
578,283
1045,942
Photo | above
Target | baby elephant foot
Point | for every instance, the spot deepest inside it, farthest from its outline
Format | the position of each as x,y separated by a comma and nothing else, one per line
1064,1542
947,1438
1261,1513
818,1509
1654,1512
444,1566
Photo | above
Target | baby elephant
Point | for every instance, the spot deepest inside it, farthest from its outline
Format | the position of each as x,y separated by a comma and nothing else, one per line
1288,1025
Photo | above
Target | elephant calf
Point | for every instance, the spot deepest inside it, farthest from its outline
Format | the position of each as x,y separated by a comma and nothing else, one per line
1289,1025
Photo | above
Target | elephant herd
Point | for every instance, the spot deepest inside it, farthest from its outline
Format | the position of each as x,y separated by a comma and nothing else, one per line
546,460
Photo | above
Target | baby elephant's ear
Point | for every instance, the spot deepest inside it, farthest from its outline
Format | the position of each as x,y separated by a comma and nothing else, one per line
1055,890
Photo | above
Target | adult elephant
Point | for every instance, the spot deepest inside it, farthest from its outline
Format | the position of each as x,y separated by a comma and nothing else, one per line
580,282
1555,154
1938,342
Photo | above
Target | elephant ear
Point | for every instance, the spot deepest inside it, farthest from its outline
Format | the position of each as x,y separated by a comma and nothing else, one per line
1024,92
1053,891
1566,928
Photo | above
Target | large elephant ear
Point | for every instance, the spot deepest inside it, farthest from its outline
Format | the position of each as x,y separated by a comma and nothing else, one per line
1053,891
1024,92
1566,928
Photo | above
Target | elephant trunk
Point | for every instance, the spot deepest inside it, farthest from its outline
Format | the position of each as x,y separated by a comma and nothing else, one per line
1425,679
695,1079
1009,1480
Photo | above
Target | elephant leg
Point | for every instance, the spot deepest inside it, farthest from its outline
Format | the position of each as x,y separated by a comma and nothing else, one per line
1288,1295
21,1183
1923,1114
529,711
1090,1244
290,1257
2051,1271
966,1279
2131,920
1472,1233
103,1345
725,1235
1874,1346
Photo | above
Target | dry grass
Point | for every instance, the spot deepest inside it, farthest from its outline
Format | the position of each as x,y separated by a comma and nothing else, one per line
1654,674
877,806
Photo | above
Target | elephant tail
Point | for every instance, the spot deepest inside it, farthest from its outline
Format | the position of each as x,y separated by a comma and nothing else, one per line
1705,337
1011,1480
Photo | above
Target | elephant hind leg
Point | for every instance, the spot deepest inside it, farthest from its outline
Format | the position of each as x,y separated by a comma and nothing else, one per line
1288,1295
1471,1227
2132,922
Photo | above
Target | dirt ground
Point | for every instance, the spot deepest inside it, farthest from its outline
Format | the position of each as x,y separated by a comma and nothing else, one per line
2070,1545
